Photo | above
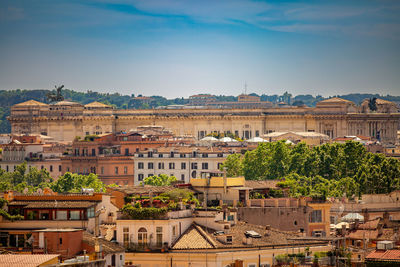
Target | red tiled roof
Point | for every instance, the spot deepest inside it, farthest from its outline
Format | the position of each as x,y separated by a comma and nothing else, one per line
384,255
342,139
361,234
53,204
363,137
30,260
372,225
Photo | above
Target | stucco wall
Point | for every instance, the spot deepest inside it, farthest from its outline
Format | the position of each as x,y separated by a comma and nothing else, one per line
283,218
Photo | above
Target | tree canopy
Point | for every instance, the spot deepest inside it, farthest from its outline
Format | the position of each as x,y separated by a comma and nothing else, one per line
327,170
161,180
33,179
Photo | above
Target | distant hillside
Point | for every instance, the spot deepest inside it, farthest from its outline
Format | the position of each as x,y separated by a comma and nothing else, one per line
11,97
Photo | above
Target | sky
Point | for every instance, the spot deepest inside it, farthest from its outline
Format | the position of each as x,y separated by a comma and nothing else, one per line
177,48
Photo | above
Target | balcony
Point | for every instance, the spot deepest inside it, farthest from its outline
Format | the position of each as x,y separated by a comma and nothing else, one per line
150,248
155,214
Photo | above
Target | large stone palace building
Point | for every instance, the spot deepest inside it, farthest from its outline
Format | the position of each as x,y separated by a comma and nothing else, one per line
334,117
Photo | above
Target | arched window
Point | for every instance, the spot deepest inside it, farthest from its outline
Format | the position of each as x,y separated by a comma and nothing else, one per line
142,237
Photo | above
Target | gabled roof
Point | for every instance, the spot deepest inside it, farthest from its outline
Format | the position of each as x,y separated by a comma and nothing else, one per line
194,238
96,104
30,103
200,237
336,100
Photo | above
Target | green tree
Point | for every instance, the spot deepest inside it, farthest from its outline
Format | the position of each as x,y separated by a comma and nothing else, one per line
233,165
161,180
255,162
278,164
64,183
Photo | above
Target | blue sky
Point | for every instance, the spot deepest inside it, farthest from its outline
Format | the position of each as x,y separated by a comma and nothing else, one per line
176,48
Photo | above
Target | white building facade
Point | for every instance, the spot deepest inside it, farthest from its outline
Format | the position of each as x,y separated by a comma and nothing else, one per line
182,162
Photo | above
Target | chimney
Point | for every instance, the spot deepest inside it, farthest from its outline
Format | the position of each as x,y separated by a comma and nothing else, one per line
356,223
247,240
343,232
365,214
267,230
386,218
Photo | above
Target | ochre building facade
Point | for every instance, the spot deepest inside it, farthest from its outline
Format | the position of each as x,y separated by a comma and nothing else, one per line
334,117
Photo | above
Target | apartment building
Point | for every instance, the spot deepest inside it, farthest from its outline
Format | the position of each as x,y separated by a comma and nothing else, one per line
183,162
35,153
110,156
50,210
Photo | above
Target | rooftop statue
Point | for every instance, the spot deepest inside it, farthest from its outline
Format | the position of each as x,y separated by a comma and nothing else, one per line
56,97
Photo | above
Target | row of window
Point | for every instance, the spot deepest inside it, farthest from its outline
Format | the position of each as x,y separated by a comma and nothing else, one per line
85,151
171,165
245,134
172,154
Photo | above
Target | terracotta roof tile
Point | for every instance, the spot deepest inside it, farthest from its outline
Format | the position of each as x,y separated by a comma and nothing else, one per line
108,246
30,260
146,189
30,103
96,104
53,204
361,234
335,100
198,237
384,255
193,238
370,225
261,184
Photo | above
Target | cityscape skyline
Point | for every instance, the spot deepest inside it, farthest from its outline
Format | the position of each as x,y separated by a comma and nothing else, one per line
180,48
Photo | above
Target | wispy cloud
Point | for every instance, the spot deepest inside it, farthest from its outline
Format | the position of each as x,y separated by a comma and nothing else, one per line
223,11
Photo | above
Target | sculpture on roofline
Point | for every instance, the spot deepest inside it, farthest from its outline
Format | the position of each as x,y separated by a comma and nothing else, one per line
56,97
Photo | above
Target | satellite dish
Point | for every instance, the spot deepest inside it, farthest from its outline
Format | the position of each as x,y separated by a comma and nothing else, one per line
26,190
